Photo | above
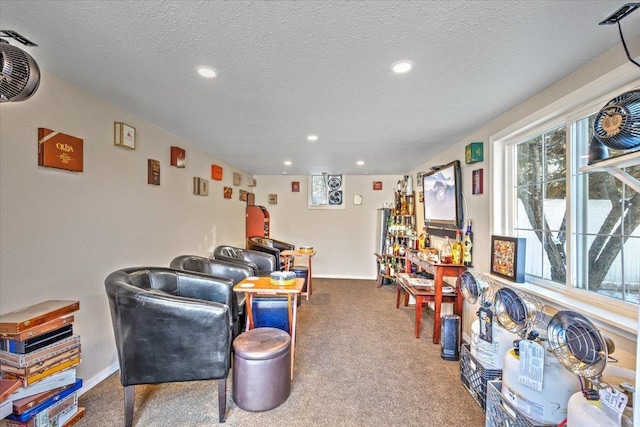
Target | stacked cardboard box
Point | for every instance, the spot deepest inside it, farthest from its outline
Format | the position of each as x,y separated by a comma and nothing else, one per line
38,353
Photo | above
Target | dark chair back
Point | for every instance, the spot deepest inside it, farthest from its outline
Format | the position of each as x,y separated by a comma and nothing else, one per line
219,268
262,263
270,246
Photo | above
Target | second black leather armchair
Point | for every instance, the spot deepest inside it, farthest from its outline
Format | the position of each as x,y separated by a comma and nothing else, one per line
219,268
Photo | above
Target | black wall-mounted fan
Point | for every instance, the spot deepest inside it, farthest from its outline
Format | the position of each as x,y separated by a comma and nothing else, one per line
617,125
20,74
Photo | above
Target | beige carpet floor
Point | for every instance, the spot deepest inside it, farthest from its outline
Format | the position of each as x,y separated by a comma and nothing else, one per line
357,363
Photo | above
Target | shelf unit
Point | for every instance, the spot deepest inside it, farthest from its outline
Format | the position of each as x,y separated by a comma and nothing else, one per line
614,167
401,234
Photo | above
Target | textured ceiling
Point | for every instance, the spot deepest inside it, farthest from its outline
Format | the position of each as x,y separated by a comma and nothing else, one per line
288,69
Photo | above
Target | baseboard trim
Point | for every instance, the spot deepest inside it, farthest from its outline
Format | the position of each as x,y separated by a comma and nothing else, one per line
330,276
96,379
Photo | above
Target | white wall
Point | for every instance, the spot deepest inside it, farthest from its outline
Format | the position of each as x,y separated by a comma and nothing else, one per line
62,233
343,238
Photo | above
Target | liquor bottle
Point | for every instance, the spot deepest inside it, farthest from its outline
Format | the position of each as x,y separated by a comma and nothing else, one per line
456,250
423,239
445,255
468,244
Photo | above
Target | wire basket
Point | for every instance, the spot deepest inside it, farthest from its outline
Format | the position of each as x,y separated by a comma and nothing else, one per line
475,376
501,413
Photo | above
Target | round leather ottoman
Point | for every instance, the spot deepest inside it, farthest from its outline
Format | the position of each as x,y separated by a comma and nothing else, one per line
261,369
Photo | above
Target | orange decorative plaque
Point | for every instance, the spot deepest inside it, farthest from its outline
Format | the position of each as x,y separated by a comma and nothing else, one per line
58,150
216,172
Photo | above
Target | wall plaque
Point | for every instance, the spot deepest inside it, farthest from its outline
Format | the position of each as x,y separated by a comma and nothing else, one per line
58,150
153,172
178,157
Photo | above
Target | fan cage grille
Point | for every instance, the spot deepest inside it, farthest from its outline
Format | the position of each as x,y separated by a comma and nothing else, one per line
517,312
624,135
577,344
20,74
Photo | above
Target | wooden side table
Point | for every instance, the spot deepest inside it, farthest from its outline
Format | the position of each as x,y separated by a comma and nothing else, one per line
425,295
262,285
297,253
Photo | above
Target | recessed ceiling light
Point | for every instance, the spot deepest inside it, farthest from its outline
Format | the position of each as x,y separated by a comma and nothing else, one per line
360,162
285,173
312,137
287,162
401,67
207,72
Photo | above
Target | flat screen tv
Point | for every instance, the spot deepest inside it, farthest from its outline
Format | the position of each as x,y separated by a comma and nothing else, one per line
442,188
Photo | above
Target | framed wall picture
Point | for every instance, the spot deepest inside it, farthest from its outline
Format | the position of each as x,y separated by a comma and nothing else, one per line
273,199
477,177
243,195
237,178
377,185
178,156
153,172
295,186
124,135
507,257
227,192
200,186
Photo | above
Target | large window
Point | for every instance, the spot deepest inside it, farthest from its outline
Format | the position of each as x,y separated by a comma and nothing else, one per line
582,229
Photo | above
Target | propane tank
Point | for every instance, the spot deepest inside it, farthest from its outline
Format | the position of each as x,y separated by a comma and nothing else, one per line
491,354
548,406
582,412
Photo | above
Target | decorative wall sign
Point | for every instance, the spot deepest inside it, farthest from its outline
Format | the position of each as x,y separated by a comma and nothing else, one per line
295,186
507,257
357,199
377,185
58,150
473,153
216,172
243,195
153,172
178,157
476,181
124,135
237,178
200,186
273,199
227,192
419,178
252,182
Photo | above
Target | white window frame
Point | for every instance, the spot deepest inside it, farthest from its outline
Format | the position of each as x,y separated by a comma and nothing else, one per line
619,316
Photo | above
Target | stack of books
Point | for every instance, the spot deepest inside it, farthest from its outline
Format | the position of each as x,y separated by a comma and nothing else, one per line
38,355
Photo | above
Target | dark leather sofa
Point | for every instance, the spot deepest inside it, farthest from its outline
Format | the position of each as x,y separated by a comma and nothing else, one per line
170,326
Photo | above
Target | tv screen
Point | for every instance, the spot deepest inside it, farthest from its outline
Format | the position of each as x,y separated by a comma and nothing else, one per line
443,197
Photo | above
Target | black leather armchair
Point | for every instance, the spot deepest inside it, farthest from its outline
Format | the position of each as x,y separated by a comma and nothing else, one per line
219,268
170,326
270,246
262,263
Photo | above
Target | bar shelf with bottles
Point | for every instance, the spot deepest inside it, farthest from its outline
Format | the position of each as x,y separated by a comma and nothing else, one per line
400,236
